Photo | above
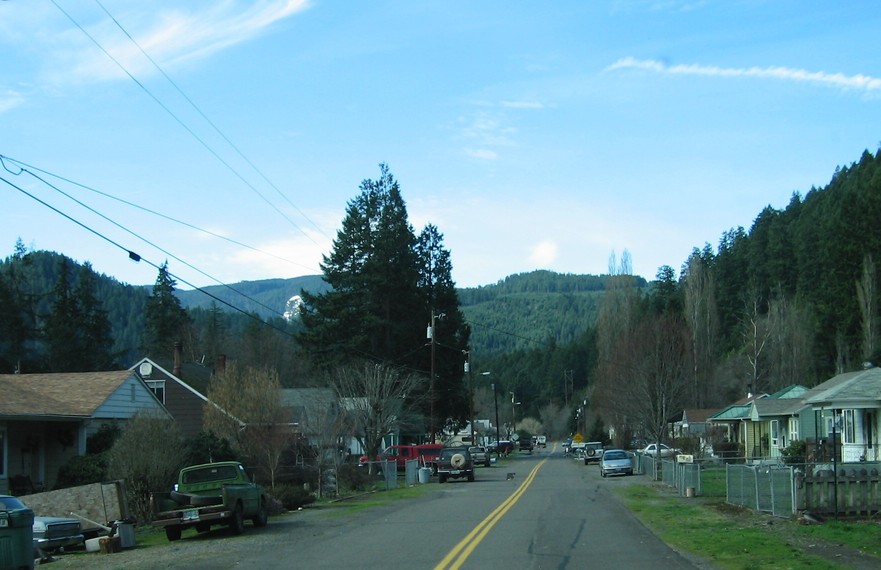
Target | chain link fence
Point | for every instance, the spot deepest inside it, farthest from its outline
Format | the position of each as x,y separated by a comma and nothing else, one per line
766,488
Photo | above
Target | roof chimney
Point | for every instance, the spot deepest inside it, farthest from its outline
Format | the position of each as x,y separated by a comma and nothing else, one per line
178,350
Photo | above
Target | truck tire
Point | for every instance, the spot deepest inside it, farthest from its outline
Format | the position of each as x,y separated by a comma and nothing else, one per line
471,476
262,517
237,522
457,460
172,533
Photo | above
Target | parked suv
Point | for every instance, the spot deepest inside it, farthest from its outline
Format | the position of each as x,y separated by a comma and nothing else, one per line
593,452
454,462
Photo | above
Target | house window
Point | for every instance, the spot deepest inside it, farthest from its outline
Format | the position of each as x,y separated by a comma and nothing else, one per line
158,389
848,427
793,429
775,433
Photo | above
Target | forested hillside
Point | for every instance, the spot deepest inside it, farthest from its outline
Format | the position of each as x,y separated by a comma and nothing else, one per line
793,299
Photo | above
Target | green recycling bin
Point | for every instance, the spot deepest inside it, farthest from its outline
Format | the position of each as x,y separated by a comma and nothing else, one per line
16,534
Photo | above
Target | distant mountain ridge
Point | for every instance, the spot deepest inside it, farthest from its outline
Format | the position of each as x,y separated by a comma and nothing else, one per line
521,311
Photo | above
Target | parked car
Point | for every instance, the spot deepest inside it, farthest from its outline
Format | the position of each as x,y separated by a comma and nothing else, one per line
480,455
592,451
616,462
652,450
505,447
49,533
454,463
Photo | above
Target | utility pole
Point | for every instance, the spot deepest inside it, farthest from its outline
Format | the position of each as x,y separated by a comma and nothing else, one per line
430,334
496,405
470,393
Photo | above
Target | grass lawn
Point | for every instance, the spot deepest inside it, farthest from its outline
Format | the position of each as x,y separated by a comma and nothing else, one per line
732,537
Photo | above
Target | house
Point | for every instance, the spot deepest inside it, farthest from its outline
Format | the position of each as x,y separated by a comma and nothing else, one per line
847,408
692,422
184,402
45,419
765,424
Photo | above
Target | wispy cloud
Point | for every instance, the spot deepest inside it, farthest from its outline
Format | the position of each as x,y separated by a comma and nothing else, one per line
859,81
170,36
522,105
10,99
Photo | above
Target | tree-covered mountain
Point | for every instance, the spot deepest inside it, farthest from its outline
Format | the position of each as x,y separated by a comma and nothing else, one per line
793,299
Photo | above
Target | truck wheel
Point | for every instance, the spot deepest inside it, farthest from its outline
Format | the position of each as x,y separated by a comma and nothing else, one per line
172,533
471,476
457,460
237,524
441,478
262,517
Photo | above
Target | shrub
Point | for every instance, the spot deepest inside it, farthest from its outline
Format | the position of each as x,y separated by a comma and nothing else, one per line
352,478
795,453
292,497
82,470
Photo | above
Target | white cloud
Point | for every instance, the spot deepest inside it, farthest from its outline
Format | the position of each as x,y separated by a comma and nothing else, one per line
169,36
859,81
10,99
522,104
482,153
543,254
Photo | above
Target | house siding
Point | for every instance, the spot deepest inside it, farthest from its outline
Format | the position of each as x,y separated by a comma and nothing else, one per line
186,407
131,397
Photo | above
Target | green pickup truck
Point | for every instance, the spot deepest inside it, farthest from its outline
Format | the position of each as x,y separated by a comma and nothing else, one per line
211,494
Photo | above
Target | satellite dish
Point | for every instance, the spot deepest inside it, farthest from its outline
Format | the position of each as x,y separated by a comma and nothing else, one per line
145,369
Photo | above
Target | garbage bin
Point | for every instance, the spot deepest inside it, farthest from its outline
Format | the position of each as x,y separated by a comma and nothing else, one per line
424,475
16,534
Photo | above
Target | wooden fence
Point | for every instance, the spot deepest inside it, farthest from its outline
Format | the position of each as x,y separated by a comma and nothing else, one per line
850,490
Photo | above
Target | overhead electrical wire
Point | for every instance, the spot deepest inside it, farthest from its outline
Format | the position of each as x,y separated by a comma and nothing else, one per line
137,257
208,120
26,166
132,255
184,125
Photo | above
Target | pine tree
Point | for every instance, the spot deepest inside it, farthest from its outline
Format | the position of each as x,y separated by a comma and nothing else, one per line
61,334
165,317
97,340
375,310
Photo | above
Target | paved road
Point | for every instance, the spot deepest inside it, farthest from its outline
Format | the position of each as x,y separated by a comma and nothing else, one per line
555,513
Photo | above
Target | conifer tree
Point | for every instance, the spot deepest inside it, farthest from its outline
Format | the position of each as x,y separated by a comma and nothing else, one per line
165,318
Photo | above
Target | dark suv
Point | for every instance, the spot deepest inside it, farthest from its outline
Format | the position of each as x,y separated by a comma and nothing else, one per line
455,463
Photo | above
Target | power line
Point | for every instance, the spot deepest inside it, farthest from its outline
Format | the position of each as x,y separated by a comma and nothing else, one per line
25,166
182,124
209,121
131,254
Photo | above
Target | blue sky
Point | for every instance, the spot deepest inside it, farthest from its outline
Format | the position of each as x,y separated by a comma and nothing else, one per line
228,137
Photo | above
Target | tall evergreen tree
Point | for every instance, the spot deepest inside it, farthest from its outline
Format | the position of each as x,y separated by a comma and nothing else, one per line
61,332
165,317
450,398
96,329
374,310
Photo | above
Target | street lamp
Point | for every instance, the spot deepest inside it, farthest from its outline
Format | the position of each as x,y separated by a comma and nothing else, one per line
467,354
431,336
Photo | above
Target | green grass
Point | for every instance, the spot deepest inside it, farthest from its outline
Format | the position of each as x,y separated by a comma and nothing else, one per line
862,535
706,531
713,482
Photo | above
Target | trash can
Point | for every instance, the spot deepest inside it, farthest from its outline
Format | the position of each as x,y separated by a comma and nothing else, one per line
16,535
424,474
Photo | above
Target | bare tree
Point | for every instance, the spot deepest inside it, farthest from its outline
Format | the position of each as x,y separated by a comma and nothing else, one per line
376,400
324,422
146,456
789,352
245,408
703,323
866,297
615,328
757,329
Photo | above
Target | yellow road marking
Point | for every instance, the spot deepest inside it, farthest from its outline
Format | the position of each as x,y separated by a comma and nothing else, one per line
466,546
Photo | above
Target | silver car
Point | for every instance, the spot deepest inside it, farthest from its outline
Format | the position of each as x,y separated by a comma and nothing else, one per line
616,462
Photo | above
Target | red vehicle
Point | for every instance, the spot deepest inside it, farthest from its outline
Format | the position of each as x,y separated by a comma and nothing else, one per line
426,454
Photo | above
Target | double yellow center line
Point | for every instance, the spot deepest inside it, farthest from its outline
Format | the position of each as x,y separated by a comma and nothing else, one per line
460,553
